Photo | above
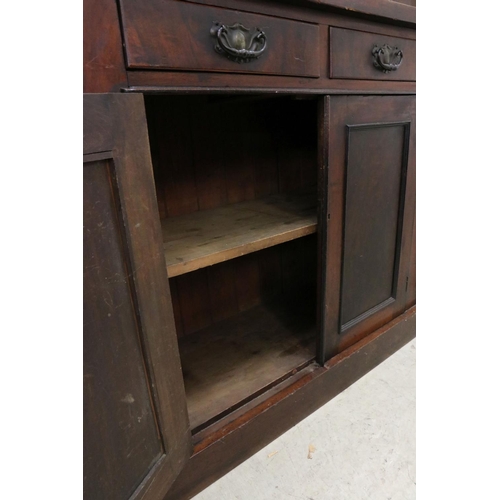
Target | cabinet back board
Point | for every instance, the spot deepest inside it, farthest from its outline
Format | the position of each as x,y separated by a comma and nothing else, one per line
210,152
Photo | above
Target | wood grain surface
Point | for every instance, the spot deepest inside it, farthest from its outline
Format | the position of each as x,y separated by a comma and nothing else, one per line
137,435
212,294
232,361
176,35
351,56
263,423
205,238
370,198
103,61
121,436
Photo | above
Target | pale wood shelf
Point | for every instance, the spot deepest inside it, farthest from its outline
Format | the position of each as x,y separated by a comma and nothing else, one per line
205,238
232,361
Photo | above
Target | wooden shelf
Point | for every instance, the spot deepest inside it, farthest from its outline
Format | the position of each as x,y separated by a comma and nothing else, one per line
205,238
227,364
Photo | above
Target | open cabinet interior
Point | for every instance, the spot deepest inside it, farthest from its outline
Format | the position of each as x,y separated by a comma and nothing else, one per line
236,182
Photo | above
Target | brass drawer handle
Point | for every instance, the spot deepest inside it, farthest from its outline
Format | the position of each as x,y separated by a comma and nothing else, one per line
387,58
237,43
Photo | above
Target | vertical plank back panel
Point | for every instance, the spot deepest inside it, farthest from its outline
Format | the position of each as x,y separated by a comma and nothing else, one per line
222,287
208,154
194,300
212,294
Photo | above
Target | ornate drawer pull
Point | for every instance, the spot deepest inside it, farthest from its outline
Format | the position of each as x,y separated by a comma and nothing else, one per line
239,43
387,58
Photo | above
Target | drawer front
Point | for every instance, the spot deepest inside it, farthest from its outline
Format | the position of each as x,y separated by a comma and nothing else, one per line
177,35
367,56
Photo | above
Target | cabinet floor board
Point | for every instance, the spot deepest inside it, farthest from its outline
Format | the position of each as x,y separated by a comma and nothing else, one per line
208,237
226,364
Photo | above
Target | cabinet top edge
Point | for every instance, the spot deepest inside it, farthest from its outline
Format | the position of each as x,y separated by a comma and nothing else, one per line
381,9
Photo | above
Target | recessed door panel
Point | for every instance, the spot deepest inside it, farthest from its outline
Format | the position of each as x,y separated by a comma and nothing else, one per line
121,436
375,175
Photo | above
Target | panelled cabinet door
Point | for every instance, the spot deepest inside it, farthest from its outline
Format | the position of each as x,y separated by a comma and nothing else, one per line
368,207
136,431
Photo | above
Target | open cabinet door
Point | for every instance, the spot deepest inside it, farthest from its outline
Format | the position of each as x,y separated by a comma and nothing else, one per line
366,214
136,430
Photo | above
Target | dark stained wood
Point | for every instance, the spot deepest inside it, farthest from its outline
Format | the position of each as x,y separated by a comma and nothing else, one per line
218,292
231,361
351,56
301,10
121,437
209,152
297,145
156,124
232,144
271,272
411,287
203,82
328,268
178,81
103,61
201,161
248,286
265,148
238,153
373,177
98,124
174,143
194,300
176,35
134,301
243,437
176,306
299,261
222,290
392,10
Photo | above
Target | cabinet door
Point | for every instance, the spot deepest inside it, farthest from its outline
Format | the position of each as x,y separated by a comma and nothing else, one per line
136,431
368,205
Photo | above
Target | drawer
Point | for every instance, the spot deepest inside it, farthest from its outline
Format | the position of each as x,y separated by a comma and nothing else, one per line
353,55
166,34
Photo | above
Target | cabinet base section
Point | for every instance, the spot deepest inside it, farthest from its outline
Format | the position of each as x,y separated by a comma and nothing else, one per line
242,438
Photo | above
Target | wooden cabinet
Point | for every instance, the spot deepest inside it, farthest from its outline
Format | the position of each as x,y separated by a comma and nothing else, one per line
248,229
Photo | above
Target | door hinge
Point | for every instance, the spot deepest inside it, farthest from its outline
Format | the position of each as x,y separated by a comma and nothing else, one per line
407,280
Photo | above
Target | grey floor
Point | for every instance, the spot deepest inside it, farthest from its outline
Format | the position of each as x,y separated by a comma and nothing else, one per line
361,446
